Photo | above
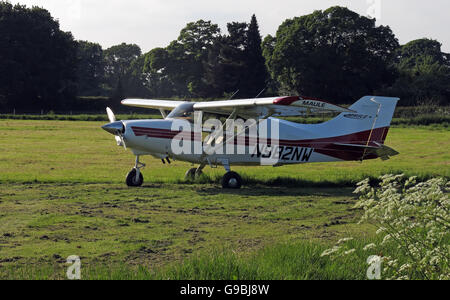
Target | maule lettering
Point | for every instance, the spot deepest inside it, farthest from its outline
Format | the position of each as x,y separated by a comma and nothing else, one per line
313,103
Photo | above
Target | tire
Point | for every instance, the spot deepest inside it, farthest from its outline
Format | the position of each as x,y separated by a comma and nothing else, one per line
191,174
231,180
131,179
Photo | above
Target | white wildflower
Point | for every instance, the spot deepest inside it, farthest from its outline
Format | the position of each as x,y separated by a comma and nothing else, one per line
329,252
344,240
415,218
369,246
404,268
349,251
386,239
381,230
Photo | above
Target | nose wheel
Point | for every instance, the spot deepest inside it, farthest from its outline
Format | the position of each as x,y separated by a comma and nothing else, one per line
135,177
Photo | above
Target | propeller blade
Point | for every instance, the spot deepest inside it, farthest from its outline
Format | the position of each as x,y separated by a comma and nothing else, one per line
123,142
120,141
111,116
116,128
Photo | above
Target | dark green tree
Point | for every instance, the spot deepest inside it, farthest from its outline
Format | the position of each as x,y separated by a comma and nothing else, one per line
118,61
226,68
424,74
197,38
335,54
136,79
38,60
171,66
236,62
180,67
256,73
215,83
91,69
268,47
156,78
417,51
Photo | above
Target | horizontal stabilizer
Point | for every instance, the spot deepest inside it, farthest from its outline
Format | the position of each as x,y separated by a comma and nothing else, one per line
382,151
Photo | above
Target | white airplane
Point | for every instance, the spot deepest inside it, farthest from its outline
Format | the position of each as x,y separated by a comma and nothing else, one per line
357,133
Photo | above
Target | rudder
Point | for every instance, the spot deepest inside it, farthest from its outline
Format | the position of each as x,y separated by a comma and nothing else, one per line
369,121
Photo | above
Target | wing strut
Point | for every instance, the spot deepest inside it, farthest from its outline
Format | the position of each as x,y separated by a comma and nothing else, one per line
220,140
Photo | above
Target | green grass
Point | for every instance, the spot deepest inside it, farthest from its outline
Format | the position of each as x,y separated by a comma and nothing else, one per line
298,260
62,193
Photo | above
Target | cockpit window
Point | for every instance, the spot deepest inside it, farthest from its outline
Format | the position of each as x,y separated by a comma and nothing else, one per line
183,111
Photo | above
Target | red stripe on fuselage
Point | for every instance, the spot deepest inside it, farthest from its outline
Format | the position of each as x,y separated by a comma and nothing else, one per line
165,133
326,146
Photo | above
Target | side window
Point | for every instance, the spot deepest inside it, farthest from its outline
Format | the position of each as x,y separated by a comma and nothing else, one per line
183,111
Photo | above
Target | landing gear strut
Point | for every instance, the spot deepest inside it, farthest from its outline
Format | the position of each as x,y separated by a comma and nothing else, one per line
135,177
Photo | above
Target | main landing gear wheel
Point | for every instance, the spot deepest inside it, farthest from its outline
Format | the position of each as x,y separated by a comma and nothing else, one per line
133,180
231,180
192,173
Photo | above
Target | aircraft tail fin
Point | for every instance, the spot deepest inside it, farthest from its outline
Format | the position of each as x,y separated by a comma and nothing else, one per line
369,122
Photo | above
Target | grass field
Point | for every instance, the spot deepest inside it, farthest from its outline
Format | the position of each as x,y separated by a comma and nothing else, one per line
63,193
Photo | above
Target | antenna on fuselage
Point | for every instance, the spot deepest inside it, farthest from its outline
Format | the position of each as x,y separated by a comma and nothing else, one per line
262,91
234,94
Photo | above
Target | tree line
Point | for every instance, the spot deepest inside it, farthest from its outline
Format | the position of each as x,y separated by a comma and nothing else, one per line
334,54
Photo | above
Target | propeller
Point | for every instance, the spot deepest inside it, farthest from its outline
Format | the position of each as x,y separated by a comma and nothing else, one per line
111,116
115,127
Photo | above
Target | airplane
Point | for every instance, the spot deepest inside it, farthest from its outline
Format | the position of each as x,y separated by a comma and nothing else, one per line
357,133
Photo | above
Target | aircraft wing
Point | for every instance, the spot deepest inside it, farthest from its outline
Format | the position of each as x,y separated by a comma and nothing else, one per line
249,108
275,107
155,104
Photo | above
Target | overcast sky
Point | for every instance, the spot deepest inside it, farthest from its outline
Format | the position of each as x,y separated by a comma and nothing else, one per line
154,23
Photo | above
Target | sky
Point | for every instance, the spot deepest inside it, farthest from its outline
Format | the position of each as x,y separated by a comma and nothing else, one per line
155,23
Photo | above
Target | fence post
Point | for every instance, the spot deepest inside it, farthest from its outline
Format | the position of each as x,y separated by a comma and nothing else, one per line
14,112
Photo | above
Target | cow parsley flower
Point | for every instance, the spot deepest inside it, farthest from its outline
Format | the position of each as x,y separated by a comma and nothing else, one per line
369,246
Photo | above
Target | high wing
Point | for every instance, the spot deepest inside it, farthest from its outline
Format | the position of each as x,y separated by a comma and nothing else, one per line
156,104
249,108
264,107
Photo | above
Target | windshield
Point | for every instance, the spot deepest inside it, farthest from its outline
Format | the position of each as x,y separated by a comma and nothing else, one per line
183,111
